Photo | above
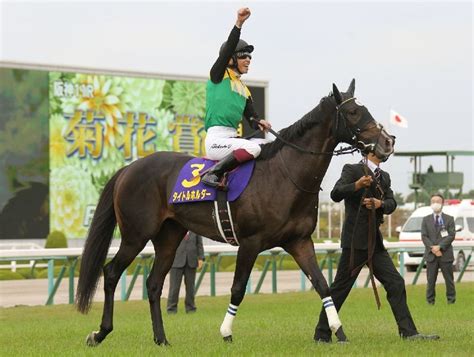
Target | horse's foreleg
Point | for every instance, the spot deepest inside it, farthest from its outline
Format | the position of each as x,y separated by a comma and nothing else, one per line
165,245
246,257
302,251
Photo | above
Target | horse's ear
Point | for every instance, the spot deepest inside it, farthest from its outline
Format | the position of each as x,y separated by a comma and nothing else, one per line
352,87
337,94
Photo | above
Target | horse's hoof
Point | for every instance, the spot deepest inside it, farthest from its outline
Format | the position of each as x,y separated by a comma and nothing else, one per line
227,338
161,342
90,339
341,336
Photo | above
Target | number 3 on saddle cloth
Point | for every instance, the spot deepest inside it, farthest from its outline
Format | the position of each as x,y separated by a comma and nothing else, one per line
189,188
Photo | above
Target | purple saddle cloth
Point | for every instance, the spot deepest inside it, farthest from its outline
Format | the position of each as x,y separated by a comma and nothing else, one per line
189,188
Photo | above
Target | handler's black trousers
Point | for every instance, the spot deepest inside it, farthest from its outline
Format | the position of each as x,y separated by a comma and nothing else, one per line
386,273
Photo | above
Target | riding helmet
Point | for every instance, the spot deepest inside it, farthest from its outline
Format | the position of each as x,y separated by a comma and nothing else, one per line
242,46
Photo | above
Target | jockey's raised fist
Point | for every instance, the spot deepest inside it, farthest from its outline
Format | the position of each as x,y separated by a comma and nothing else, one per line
242,15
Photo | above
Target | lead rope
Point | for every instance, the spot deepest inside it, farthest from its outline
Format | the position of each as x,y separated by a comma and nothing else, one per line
370,244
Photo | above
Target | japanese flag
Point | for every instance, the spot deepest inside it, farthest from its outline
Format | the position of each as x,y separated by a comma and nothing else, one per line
397,119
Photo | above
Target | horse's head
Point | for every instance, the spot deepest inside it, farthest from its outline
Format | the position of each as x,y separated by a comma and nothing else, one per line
356,126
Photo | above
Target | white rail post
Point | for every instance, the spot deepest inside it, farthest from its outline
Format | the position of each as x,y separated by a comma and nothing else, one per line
329,221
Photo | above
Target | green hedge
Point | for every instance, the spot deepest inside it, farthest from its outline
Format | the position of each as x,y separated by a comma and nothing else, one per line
10,275
56,239
43,273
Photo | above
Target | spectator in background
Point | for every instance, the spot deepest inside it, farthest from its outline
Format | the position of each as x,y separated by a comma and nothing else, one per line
437,232
189,257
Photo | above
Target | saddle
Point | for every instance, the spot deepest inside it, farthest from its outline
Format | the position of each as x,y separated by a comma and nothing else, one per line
188,189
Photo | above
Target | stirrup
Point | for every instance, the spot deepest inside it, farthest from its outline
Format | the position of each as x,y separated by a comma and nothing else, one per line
218,184
222,185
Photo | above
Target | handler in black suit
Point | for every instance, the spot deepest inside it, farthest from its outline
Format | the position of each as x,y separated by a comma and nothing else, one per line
356,181
189,256
437,232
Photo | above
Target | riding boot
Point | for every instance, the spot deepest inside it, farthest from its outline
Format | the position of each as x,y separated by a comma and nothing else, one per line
214,175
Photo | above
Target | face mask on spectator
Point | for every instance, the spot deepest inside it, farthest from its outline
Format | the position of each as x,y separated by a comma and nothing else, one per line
436,207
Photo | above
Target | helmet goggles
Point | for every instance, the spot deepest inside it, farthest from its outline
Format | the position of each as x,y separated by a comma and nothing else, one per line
243,55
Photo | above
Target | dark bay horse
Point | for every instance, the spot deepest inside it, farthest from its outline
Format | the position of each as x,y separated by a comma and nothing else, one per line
277,209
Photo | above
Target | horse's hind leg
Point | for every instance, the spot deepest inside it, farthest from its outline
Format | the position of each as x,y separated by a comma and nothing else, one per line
246,257
302,251
165,245
112,273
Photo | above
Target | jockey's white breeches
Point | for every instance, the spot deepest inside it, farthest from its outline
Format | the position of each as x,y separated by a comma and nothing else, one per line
223,140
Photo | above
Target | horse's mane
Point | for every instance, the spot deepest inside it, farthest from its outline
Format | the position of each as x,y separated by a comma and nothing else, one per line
294,131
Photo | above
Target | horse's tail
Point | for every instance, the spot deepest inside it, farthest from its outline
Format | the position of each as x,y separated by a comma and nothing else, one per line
97,245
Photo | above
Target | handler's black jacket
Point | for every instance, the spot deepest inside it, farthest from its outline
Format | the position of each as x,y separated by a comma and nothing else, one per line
345,190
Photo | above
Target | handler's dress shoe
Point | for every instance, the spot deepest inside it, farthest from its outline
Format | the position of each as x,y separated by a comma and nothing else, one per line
323,340
420,336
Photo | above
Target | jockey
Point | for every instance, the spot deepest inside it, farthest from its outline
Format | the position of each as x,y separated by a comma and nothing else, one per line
227,100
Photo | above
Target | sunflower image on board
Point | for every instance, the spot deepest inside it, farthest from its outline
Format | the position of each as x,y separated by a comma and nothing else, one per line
100,123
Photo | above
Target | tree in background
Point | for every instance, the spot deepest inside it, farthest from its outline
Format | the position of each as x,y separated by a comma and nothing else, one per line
24,152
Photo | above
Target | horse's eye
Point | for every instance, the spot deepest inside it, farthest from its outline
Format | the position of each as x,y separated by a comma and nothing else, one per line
352,112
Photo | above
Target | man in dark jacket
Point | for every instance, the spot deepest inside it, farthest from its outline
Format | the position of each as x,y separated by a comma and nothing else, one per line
189,256
437,233
364,186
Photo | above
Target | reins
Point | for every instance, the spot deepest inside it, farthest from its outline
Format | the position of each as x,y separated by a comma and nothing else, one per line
287,172
341,151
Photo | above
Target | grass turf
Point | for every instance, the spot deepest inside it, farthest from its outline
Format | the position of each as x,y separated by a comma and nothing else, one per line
266,325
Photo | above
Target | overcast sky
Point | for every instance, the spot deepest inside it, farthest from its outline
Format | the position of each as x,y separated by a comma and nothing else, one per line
413,57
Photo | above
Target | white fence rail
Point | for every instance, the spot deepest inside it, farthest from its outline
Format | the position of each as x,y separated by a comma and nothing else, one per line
70,256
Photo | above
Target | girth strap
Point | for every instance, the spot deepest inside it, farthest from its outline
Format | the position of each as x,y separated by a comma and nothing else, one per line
223,217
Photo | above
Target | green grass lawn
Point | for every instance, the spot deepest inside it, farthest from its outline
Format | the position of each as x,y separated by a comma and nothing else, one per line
266,325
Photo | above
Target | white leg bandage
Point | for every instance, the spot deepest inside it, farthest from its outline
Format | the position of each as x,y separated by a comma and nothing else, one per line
226,327
331,312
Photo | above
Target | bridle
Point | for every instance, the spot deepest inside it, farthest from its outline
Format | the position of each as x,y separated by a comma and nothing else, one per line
339,116
353,134
350,134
